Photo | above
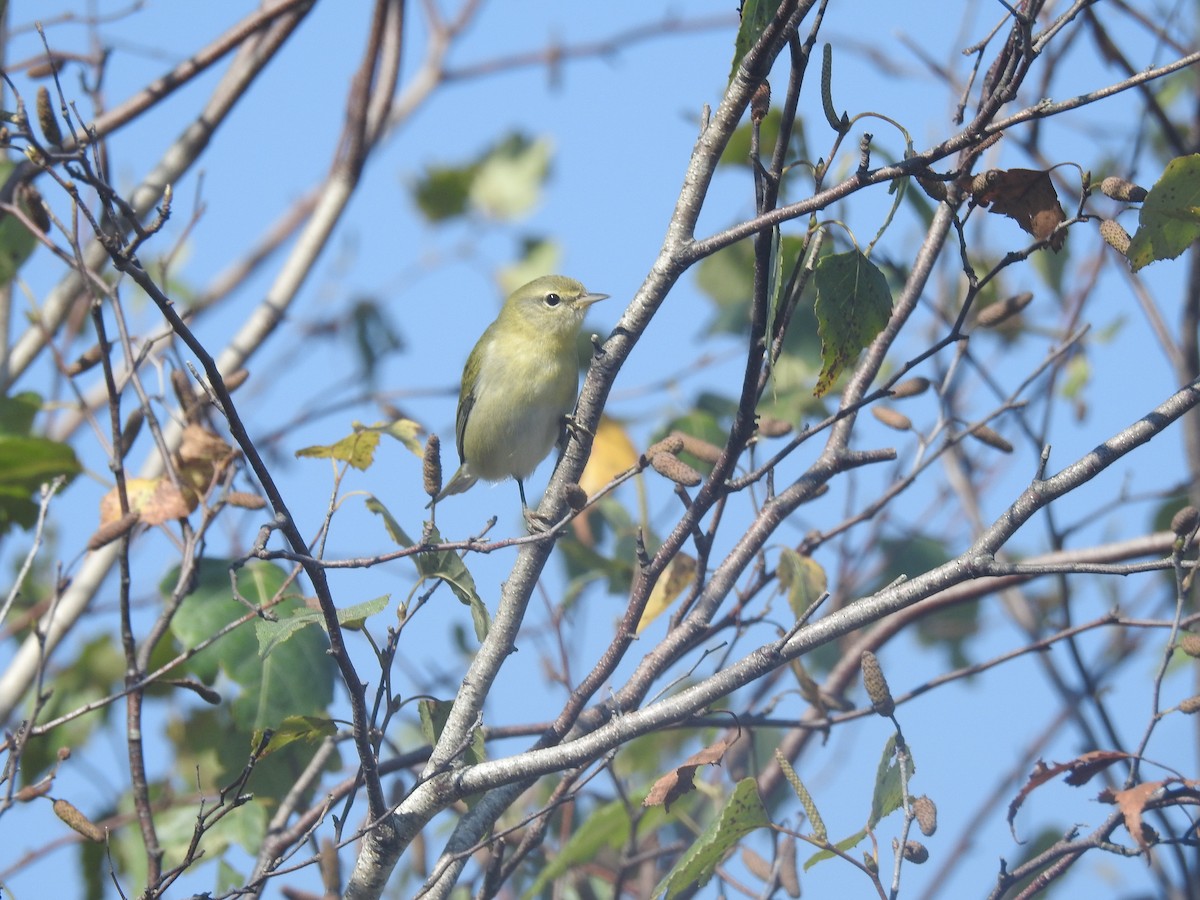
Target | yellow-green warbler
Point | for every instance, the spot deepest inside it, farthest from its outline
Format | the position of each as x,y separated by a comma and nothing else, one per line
519,384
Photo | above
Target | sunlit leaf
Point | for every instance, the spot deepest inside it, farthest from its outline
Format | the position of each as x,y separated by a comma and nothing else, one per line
155,500
844,845
675,579
310,729
406,431
1169,222
802,577
742,814
357,449
612,453
508,181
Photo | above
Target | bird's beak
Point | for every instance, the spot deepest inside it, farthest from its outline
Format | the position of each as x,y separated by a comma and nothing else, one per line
588,299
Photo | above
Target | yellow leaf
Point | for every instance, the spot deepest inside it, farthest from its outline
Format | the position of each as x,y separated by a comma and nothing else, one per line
803,579
357,449
680,572
612,453
403,430
155,500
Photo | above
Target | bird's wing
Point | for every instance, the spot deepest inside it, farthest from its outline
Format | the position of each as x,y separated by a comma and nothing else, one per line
466,397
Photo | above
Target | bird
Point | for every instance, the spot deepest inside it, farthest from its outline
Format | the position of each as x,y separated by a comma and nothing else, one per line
520,385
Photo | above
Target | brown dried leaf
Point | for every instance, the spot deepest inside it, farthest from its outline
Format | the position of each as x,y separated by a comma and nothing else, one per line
202,455
1091,764
1026,196
678,781
1132,804
155,500
1079,771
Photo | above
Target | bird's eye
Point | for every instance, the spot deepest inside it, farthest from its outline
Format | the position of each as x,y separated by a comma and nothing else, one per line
553,299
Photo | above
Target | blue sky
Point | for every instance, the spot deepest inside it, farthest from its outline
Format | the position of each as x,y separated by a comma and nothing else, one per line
622,126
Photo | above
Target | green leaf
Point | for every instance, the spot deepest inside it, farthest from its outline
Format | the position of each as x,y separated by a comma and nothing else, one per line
742,814
375,335
310,729
17,414
774,287
448,566
699,423
441,193
32,461
887,799
295,679
1079,374
26,463
737,150
606,828
888,794
405,431
175,826
727,277
434,715
445,565
756,16
844,845
17,242
98,670
228,878
509,179
357,449
395,531
1170,216
584,565
271,634
853,306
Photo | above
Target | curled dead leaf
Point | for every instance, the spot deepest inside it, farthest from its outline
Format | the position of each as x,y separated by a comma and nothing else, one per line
673,785
1026,196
